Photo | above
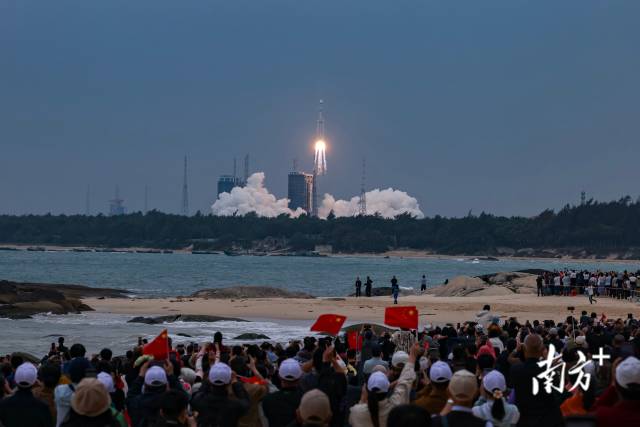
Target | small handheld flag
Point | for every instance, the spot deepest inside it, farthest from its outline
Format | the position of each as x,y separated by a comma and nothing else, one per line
329,323
159,347
401,317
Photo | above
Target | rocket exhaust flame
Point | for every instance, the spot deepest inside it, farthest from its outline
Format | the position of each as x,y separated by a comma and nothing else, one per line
320,158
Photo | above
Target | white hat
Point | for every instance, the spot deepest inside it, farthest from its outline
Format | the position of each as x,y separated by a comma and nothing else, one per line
581,341
155,376
26,375
107,381
290,370
220,374
378,382
628,372
399,357
494,380
424,363
440,372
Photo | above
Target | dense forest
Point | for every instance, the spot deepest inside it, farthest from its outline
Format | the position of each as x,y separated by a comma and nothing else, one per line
593,228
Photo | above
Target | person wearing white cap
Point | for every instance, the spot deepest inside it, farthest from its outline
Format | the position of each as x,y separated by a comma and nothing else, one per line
143,398
375,404
221,400
463,389
492,406
280,407
434,396
22,409
626,411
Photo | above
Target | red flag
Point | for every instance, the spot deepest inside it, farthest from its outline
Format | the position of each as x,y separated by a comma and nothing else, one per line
159,347
402,317
329,323
252,380
354,339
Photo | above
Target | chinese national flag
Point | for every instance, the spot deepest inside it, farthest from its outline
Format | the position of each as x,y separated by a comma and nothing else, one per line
252,380
159,347
401,317
354,339
329,323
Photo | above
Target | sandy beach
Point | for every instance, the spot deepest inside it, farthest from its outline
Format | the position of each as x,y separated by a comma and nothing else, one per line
436,310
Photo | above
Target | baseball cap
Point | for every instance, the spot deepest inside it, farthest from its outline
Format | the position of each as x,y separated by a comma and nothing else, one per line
90,398
399,357
440,372
155,376
26,375
378,382
463,385
628,372
494,380
290,370
314,406
220,374
107,381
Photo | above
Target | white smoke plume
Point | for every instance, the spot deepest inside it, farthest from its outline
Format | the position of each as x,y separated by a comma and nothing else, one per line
256,198
388,203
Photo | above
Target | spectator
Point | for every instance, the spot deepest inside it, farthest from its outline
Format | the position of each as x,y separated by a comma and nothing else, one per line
491,406
90,406
408,416
375,405
463,389
222,400
626,412
280,407
535,410
434,397
23,409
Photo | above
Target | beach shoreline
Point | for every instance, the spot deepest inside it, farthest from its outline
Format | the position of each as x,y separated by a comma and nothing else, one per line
432,309
397,253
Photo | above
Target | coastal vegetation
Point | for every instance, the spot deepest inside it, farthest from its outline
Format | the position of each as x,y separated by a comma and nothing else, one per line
591,229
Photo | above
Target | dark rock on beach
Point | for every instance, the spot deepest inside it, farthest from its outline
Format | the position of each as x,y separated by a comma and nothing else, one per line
252,336
157,320
245,292
23,300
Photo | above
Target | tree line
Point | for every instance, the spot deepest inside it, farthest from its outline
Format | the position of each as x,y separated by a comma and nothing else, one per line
595,227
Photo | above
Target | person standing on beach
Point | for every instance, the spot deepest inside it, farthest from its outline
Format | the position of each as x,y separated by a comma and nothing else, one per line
367,286
358,287
423,284
539,285
395,289
590,293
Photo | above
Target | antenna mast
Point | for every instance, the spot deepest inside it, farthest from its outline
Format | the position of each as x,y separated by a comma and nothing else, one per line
363,194
87,202
185,191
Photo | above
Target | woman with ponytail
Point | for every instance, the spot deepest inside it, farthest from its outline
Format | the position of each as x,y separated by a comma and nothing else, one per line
376,402
492,406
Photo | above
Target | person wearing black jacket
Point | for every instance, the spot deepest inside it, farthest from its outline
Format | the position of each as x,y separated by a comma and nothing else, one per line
280,407
144,406
540,409
212,402
23,409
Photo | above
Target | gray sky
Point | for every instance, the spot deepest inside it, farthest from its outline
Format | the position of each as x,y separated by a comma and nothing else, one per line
504,106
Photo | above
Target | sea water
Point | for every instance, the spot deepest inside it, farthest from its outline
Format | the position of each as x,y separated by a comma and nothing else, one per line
157,275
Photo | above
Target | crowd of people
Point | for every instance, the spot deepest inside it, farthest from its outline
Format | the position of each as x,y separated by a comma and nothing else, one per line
485,372
593,284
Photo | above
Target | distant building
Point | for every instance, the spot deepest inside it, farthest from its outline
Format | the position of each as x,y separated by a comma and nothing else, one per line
116,205
300,192
226,183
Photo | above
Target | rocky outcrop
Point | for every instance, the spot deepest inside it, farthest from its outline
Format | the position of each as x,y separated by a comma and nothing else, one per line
23,300
202,318
250,336
246,292
496,284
